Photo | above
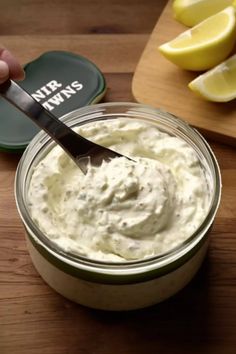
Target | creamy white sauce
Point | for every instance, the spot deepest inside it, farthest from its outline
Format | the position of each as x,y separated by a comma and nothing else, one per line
125,209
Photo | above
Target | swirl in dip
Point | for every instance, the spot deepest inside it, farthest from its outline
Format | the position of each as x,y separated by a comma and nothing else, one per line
125,209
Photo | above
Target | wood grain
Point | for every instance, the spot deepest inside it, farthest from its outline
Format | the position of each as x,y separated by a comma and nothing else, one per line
72,16
120,58
166,86
33,318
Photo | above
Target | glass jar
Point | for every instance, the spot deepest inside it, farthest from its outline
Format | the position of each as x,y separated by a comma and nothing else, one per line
126,285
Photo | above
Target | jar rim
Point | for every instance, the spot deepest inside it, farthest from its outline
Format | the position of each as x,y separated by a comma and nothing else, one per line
98,112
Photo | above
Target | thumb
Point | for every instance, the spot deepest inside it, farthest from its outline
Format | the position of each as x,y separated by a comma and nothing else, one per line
15,71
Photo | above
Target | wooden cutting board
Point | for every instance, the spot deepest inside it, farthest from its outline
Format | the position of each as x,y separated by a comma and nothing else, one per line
160,83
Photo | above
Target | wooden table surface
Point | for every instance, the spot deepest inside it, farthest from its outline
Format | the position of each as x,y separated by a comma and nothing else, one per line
33,318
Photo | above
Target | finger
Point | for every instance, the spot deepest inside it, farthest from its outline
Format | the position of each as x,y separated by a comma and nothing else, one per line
15,70
4,71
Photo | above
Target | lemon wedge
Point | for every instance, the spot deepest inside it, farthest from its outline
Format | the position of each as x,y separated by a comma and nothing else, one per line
217,84
191,12
205,45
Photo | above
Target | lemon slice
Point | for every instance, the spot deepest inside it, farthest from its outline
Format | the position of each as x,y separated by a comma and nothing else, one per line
217,84
205,45
191,12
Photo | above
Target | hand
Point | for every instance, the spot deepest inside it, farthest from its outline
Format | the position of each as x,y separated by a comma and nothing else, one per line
9,67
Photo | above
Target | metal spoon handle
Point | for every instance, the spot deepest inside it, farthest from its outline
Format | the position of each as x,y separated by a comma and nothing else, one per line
73,143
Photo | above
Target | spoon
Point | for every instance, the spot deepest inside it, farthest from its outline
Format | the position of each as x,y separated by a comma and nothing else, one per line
81,150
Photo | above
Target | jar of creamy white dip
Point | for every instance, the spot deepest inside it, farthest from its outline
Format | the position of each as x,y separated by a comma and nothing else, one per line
129,234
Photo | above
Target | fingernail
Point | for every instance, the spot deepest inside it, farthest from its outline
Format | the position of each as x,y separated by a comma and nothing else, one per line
4,71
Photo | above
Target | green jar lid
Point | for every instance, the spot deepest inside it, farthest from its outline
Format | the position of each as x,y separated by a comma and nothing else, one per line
61,82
